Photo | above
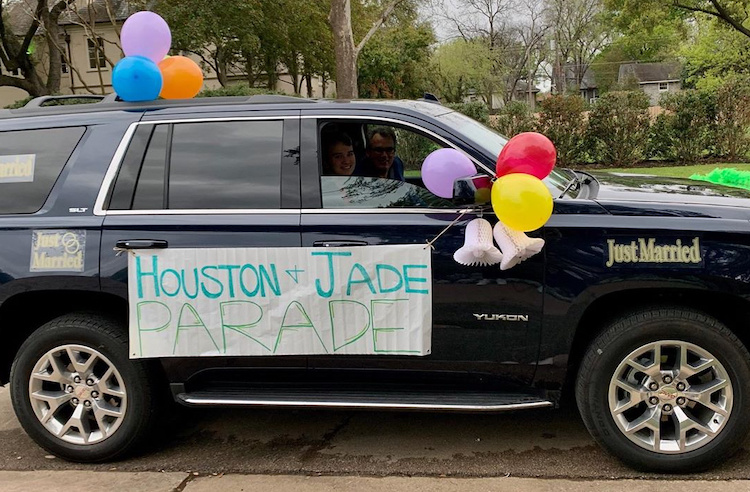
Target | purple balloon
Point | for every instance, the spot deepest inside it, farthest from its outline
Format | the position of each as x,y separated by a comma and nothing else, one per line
146,34
442,167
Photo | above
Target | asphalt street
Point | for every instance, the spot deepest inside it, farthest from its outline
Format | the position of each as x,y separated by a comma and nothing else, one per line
215,442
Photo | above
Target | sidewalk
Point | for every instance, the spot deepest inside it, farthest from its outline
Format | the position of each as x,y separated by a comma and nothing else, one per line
83,481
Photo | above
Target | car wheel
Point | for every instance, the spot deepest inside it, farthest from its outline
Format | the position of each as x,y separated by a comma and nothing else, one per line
666,390
76,392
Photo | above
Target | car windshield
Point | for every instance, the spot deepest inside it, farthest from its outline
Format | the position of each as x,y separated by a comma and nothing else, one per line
492,143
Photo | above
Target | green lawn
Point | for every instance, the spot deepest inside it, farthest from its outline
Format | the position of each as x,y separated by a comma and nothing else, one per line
680,171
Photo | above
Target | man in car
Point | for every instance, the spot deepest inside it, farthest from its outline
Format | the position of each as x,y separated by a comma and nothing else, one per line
381,160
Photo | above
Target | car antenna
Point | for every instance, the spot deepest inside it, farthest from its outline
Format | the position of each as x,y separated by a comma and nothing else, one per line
429,97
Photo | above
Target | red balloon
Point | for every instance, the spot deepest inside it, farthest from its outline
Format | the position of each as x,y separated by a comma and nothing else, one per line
528,153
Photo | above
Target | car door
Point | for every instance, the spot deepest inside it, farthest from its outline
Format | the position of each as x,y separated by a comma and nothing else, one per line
224,181
486,322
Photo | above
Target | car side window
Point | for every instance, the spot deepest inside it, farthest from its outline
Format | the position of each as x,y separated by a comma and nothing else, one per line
366,164
208,165
30,163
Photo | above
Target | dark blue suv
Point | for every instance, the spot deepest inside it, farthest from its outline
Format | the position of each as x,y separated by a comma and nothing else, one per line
636,309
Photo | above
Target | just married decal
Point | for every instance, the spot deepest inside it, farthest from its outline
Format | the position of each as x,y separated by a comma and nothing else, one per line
653,251
280,301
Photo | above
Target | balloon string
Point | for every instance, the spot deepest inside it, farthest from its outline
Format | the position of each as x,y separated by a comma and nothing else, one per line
430,243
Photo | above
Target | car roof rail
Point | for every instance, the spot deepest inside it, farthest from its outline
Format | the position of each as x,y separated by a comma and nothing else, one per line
273,98
110,98
38,102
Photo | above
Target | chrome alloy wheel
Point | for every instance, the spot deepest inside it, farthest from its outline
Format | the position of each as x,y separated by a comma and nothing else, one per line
77,394
670,397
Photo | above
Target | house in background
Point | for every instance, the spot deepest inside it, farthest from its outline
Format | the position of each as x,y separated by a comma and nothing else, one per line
655,79
521,93
93,73
588,87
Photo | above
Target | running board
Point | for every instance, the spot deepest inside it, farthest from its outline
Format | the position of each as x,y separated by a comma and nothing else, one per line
358,399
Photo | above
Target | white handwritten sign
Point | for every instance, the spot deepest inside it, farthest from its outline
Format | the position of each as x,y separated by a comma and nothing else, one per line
280,301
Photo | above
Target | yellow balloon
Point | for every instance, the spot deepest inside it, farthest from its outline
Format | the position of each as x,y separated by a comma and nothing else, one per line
521,201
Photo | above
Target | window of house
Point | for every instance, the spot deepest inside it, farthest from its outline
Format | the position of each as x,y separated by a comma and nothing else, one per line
663,86
30,163
209,165
63,64
380,169
96,55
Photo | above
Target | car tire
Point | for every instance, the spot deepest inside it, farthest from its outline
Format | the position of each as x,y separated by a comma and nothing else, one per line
76,392
666,390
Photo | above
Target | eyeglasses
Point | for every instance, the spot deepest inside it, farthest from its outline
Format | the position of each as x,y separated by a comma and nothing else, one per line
380,150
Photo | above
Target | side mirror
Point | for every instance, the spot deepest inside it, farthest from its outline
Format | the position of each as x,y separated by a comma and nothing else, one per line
474,190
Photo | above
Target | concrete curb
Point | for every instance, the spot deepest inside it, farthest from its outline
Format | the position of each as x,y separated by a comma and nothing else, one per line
87,481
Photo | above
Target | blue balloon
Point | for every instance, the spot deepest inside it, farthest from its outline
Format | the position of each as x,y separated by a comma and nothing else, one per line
137,78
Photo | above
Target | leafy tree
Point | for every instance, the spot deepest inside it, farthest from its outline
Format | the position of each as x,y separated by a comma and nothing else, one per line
216,31
733,13
346,50
395,63
641,32
512,32
460,66
15,52
717,54
579,34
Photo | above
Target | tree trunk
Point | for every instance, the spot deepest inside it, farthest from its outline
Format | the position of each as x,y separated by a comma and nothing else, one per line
308,77
221,67
271,73
346,53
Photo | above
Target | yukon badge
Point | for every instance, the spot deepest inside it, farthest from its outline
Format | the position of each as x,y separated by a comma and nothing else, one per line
501,317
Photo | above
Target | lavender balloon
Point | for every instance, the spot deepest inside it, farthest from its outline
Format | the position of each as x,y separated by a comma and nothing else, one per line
442,167
146,34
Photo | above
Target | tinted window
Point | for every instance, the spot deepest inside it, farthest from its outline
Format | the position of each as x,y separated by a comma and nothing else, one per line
363,192
226,165
122,194
30,163
149,192
388,168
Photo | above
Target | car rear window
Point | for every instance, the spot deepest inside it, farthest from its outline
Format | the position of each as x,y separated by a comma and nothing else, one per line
208,165
30,163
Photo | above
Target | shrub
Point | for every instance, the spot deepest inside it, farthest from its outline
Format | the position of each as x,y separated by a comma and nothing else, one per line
618,127
477,110
514,118
238,90
53,102
561,120
733,119
20,103
661,138
689,126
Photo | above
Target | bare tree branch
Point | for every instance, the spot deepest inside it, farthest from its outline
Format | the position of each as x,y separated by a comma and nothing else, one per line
721,13
376,25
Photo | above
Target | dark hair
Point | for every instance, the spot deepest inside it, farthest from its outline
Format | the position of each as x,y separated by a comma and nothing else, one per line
331,139
383,131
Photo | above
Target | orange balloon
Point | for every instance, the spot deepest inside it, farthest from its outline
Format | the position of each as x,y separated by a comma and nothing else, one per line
183,78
